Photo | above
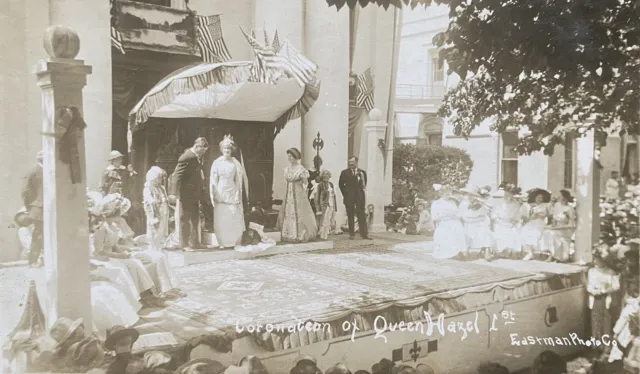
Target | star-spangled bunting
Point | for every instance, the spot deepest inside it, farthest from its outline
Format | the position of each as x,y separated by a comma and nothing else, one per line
116,40
210,41
285,57
364,96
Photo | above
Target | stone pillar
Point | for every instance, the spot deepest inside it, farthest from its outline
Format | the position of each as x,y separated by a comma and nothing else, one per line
327,44
92,20
375,131
66,228
286,18
587,199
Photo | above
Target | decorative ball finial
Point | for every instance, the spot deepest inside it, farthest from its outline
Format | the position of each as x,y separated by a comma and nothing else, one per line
375,114
61,42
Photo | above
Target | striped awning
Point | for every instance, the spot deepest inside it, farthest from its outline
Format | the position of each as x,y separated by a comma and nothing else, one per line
224,91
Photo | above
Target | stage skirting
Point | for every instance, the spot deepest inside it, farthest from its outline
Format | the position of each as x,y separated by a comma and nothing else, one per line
332,287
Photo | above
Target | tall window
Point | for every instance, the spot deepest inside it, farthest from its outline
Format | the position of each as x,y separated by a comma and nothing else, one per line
509,158
437,71
568,162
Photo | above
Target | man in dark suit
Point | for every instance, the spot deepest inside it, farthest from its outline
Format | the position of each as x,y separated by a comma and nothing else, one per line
188,186
33,202
353,185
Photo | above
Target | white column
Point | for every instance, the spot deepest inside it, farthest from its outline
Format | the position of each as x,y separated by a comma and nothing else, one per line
287,18
375,131
587,199
66,227
92,21
327,44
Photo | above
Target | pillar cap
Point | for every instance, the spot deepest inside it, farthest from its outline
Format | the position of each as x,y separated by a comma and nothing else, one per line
375,114
61,42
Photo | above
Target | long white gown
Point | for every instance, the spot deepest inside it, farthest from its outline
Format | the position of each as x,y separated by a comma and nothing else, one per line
477,228
531,232
505,216
111,307
448,238
227,178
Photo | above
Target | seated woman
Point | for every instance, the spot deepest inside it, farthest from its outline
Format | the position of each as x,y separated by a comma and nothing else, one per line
556,238
104,246
156,263
110,305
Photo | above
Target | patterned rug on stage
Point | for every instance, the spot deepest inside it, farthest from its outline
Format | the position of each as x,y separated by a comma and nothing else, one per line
317,285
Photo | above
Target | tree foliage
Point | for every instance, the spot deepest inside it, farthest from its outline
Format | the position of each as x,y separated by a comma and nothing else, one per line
548,67
421,167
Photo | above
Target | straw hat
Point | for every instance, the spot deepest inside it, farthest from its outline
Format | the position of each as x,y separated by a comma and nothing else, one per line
155,359
201,366
65,328
113,202
338,369
114,155
118,332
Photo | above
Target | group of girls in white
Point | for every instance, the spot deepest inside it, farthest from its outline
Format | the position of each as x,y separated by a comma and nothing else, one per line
129,273
474,223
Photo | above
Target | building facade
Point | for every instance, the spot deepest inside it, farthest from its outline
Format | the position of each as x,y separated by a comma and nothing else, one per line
155,48
422,82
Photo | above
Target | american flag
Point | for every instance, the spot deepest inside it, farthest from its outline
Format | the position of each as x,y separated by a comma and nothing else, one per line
301,68
116,39
275,45
210,41
365,90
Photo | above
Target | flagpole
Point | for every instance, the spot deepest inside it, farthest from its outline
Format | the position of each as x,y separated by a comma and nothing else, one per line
390,133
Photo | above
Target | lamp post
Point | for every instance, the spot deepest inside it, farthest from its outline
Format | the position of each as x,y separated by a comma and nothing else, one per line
318,144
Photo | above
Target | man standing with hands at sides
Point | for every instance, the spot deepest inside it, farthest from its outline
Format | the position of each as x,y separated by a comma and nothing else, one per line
188,187
353,185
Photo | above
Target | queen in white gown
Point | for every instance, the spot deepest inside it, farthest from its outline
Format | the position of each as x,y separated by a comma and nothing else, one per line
227,180
448,239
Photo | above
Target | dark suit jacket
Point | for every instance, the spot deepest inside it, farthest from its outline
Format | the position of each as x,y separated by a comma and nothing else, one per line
187,182
32,193
353,189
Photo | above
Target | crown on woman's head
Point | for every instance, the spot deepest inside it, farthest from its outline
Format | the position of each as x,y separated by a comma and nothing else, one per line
227,141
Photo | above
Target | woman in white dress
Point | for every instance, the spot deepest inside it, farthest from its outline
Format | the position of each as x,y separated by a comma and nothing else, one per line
448,238
296,219
505,217
535,213
556,238
156,207
226,186
477,225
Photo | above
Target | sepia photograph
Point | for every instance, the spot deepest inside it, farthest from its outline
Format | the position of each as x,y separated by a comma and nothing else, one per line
320,187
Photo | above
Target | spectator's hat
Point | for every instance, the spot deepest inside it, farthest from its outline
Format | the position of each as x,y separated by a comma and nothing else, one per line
404,369
339,368
253,365
156,359
118,332
114,155
202,366
85,354
65,331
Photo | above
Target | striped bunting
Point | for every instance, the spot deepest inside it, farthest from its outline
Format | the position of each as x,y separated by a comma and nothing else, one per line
300,68
116,40
364,97
212,46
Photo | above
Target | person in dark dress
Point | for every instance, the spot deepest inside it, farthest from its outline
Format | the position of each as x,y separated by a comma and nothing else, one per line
188,186
32,196
353,185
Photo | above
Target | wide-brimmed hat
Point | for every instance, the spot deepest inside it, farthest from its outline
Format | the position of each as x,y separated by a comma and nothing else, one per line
253,365
65,328
533,194
155,359
118,332
114,155
404,369
85,354
566,194
339,368
113,202
94,198
201,366
304,358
